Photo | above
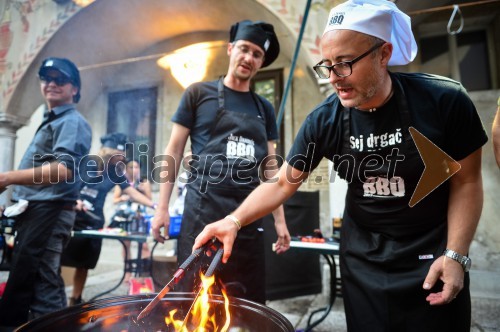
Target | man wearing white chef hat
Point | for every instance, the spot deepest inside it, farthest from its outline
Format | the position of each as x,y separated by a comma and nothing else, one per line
381,19
404,267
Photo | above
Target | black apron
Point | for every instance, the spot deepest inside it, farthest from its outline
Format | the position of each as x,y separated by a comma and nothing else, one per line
226,171
382,267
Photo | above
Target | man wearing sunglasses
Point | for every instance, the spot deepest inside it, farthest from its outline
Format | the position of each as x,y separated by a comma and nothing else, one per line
48,179
403,267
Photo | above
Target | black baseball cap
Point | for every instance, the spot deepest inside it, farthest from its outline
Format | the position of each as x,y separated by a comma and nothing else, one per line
65,67
261,34
115,141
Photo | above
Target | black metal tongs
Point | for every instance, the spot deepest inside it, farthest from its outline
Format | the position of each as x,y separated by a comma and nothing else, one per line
179,274
210,271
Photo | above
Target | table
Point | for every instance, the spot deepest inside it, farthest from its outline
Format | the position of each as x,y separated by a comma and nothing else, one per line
96,234
328,250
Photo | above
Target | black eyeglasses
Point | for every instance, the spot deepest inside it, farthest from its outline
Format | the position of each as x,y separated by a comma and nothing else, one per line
341,69
58,80
244,49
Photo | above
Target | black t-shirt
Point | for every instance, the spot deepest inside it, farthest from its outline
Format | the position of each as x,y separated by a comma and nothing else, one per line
198,111
96,186
439,109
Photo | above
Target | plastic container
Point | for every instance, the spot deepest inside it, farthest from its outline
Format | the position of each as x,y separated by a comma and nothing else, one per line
175,225
173,230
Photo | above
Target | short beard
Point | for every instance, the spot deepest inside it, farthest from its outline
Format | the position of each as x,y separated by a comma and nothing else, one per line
241,77
373,88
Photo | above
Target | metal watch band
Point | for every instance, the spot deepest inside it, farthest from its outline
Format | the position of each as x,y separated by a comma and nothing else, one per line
463,260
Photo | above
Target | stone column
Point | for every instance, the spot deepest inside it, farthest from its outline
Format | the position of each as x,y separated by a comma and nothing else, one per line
9,124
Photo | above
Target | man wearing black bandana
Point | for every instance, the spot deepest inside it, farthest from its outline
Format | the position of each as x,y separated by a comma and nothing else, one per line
232,132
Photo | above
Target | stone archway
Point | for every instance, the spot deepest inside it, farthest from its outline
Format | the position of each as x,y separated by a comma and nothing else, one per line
108,31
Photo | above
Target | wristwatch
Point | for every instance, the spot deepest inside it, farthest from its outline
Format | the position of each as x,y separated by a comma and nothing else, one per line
463,260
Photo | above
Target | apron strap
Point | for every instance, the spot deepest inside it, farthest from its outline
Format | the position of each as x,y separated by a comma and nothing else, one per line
346,126
220,93
259,104
220,99
403,111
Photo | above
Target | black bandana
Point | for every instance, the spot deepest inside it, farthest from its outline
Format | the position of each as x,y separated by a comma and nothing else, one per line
261,34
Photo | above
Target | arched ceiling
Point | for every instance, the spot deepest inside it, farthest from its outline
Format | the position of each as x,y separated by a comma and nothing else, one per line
117,30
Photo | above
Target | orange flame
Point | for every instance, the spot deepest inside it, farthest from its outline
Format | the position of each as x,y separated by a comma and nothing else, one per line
204,314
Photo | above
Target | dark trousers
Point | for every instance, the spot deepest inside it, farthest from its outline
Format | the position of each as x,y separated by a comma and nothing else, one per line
35,286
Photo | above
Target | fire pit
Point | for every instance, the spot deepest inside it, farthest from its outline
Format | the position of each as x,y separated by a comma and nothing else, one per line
118,314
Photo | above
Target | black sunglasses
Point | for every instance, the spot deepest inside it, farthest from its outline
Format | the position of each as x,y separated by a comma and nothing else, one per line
59,80
341,69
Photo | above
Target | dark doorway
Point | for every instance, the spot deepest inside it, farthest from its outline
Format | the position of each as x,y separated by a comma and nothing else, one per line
269,84
133,112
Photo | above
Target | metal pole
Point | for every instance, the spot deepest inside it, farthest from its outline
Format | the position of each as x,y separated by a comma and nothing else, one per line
292,67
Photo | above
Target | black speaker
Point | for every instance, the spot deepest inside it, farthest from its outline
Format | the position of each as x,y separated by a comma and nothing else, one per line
293,273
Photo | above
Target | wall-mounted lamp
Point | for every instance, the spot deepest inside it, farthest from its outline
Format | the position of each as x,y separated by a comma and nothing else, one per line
189,64
83,3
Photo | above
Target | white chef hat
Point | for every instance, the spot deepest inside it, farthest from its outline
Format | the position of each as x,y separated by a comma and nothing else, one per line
379,18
